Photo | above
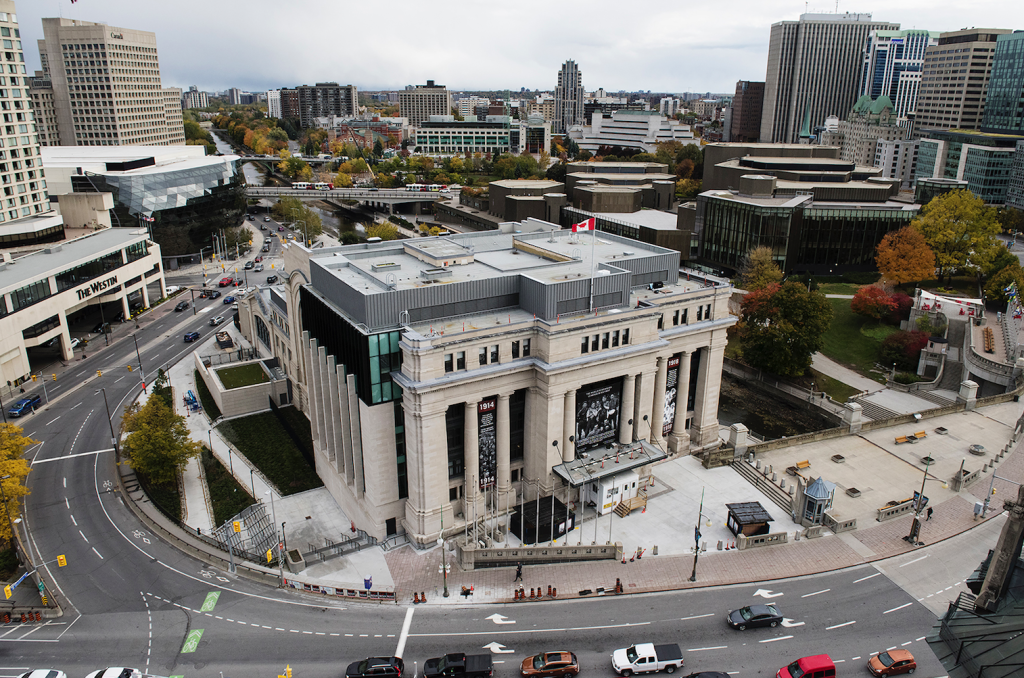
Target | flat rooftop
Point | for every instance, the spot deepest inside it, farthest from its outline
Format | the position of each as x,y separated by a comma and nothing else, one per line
96,158
526,183
61,256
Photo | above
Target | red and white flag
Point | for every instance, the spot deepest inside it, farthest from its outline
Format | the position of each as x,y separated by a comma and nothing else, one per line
587,225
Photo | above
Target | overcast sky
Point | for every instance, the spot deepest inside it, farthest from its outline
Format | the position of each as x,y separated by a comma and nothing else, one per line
662,46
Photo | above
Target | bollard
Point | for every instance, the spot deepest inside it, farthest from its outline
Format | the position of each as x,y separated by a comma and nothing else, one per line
22,617
549,589
623,558
554,593
654,552
719,544
39,616
7,618
423,596
415,598
532,596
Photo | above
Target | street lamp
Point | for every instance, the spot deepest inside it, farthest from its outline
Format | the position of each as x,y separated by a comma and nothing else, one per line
696,536
142,372
915,526
444,559
110,421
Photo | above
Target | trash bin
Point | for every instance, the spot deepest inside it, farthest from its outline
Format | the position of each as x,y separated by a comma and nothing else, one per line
368,582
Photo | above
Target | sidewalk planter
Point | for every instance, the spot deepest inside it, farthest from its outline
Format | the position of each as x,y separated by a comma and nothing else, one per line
296,563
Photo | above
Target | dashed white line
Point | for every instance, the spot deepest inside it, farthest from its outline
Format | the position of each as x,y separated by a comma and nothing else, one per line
66,486
277,629
772,640
53,420
918,640
855,659
96,552
838,661
906,643
839,626
308,633
698,616
76,406
265,627
293,631
67,503
870,576
83,536
898,608
701,649
118,379
808,595
73,519
915,560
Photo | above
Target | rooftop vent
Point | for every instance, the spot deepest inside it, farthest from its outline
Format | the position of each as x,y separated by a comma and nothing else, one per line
385,266
435,273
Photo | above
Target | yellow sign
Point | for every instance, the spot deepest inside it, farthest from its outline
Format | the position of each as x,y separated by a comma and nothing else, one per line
237,524
269,557
62,561
8,592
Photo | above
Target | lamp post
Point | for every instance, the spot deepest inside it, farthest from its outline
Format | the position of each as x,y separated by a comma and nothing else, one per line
253,483
7,511
284,536
444,559
142,372
915,525
110,421
696,536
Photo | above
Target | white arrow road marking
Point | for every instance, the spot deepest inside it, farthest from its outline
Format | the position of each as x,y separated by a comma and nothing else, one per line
500,619
765,593
789,623
497,648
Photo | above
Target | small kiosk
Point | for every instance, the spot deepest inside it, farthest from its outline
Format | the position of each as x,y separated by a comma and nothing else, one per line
748,518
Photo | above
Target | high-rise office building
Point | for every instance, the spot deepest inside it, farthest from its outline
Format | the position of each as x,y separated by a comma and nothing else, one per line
1004,103
891,66
104,85
273,103
193,98
812,71
745,123
954,80
21,172
568,98
422,101
234,96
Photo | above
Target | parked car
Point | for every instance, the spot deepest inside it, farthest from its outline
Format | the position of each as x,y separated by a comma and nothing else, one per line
25,406
182,305
459,665
44,673
100,327
249,265
550,665
224,282
214,294
376,667
647,658
116,672
271,279
258,268
816,666
892,663
118,317
754,615
191,336
229,300
75,343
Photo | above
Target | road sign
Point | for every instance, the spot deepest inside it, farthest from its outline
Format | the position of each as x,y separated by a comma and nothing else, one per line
62,561
42,587
269,557
8,592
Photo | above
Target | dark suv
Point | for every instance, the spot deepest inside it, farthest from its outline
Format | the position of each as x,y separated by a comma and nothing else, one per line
385,667
27,406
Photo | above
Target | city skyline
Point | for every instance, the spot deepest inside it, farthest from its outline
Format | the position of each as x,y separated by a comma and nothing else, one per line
672,49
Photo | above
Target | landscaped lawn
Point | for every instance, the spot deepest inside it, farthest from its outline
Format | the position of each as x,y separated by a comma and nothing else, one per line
242,375
854,341
265,443
839,288
227,496
205,398
839,391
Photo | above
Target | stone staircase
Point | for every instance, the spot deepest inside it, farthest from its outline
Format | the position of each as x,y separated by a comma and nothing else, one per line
765,484
953,371
933,398
873,411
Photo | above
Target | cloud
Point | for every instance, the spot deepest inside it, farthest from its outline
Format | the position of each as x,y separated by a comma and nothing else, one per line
473,44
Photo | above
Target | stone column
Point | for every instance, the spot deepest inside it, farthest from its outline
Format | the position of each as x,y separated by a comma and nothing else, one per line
679,439
569,426
658,409
504,433
709,383
125,307
145,294
428,472
471,456
626,414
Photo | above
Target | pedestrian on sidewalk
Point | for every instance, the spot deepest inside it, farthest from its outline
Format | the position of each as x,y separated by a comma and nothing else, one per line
930,509
519,572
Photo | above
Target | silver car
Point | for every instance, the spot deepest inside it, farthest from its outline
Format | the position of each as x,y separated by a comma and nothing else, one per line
216,320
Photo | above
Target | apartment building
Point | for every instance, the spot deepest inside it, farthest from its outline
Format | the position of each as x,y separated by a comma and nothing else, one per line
422,101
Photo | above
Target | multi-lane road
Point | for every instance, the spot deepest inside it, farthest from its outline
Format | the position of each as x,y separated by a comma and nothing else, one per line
131,599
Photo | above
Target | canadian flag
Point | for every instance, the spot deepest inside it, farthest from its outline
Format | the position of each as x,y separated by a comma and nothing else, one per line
587,225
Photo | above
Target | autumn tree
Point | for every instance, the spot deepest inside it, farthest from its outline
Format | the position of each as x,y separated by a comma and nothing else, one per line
903,256
12,448
782,326
961,231
872,301
158,445
759,269
342,180
385,230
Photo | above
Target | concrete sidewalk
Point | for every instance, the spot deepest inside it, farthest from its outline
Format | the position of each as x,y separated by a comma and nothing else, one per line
831,368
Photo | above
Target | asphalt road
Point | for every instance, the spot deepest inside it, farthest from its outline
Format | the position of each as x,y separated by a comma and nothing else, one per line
131,599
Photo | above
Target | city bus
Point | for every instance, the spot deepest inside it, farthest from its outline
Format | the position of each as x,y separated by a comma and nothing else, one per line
323,186
300,185
414,187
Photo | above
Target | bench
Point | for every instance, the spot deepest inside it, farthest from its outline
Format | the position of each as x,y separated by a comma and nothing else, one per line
803,465
902,439
989,340
920,434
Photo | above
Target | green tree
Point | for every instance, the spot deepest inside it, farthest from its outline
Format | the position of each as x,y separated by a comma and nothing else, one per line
782,326
12,448
378,148
961,231
158,445
996,286
385,230
759,269
294,210
342,180
240,236
556,172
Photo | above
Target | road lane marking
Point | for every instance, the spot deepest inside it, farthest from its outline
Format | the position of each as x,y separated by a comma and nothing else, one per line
83,536
520,631
405,632
870,576
915,560
898,608
918,640
192,641
70,456
839,626
906,643
67,503
211,601
772,640
698,616
73,520
76,406
838,661
854,659
96,552
118,379
808,595
53,420
701,649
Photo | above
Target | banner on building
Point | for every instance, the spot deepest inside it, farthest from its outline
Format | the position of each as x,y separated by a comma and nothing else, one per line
597,413
486,412
671,386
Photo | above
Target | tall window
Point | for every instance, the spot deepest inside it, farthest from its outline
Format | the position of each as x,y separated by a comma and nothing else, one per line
455,424
517,424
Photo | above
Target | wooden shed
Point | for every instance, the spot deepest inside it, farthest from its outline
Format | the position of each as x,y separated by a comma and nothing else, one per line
748,518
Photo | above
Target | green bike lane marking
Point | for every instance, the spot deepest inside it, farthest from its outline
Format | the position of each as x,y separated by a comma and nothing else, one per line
192,641
210,602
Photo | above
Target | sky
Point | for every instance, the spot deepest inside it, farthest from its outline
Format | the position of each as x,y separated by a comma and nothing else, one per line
661,46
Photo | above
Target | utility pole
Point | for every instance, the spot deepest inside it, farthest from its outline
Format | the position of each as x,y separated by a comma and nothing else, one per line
696,537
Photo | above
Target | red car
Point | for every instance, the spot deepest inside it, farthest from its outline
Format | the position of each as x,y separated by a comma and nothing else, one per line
258,259
224,282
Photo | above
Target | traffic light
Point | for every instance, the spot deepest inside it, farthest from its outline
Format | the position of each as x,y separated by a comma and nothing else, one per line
99,373
62,561
288,671
35,377
53,376
129,368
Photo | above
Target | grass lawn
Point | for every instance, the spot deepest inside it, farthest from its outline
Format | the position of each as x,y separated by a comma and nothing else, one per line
227,496
205,399
262,439
166,497
299,423
839,391
242,375
839,288
854,341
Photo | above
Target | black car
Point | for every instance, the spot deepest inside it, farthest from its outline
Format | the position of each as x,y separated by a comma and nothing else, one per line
249,265
182,305
271,279
755,615
191,336
372,667
213,294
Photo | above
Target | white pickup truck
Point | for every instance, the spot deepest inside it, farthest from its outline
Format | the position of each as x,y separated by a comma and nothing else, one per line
647,658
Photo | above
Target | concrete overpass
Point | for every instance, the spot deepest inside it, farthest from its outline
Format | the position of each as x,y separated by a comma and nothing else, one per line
384,196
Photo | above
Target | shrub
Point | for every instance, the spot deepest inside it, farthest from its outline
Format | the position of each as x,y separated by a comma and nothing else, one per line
873,302
907,378
904,302
903,348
